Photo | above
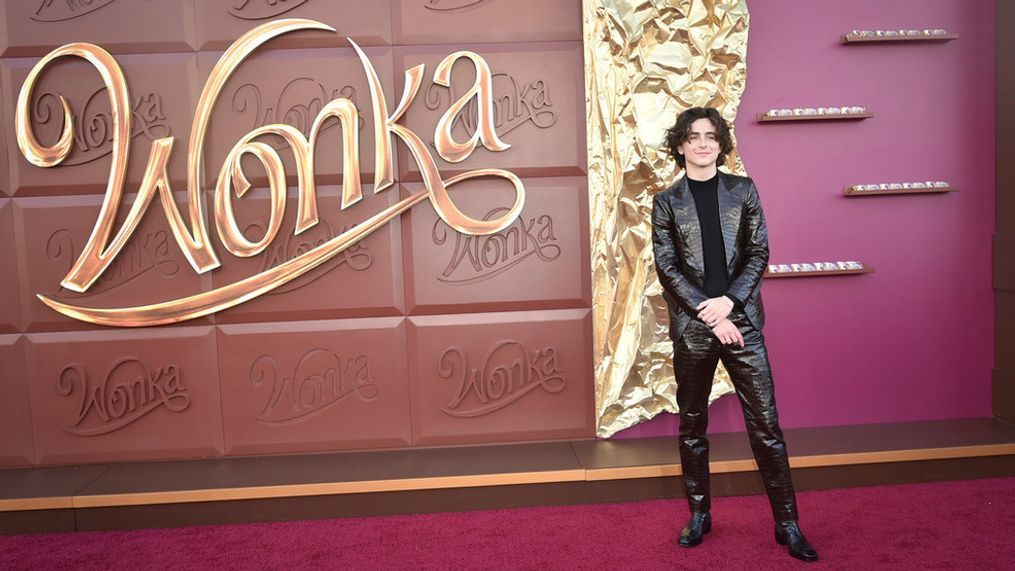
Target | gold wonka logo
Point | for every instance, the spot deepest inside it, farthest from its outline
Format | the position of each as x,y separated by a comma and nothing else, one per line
103,247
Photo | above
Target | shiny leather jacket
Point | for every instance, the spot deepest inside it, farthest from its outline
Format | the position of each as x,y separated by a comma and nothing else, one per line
680,264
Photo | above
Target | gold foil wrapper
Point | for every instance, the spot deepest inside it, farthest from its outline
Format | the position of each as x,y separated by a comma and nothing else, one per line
646,61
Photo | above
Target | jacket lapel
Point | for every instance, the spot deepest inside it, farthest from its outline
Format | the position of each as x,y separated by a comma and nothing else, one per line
730,206
686,217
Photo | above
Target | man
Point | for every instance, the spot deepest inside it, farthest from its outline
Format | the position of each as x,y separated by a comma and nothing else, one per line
711,247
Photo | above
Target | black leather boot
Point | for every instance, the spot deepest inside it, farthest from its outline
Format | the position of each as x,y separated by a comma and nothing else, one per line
697,526
788,533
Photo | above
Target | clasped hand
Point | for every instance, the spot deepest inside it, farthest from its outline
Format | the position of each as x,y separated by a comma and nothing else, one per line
728,333
714,310
714,313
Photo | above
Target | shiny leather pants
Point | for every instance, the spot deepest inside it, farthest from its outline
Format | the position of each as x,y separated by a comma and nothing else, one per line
695,356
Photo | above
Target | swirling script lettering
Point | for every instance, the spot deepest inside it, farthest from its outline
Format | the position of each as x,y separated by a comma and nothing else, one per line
355,257
148,252
509,372
130,390
513,105
93,126
320,380
451,5
263,9
299,103
61,10
232,183
496,253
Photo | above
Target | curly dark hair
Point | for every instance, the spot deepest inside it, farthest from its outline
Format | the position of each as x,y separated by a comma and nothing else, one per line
680,132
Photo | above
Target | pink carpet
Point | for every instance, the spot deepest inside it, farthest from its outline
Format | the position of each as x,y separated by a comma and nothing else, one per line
951,525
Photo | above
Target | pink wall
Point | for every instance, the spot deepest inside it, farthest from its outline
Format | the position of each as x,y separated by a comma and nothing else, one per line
914,340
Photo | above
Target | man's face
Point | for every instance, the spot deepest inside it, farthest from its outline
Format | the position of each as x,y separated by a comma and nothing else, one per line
701,148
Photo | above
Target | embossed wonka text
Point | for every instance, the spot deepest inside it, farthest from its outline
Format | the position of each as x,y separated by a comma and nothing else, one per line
508,372
320,380
513,105
491,255
63,10
129,391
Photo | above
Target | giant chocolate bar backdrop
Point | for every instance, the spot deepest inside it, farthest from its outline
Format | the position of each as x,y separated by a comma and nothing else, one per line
416,334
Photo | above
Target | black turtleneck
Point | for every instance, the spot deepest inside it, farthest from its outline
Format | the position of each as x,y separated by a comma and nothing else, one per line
706,202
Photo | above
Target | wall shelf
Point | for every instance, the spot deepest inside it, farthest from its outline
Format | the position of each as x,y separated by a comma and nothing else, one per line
864,270
764,118
847,39
849,191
